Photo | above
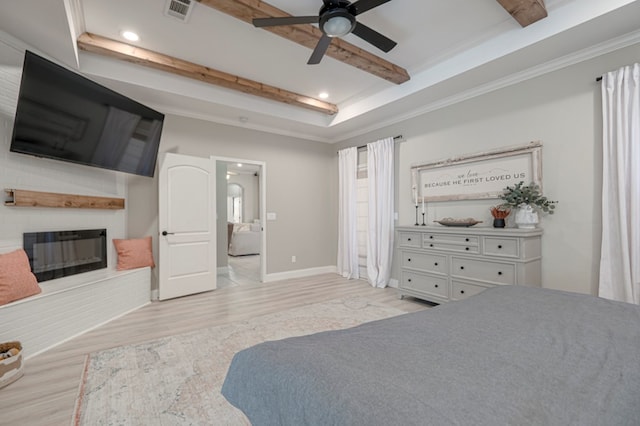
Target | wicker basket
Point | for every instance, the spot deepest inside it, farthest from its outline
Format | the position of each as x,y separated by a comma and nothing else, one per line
10,368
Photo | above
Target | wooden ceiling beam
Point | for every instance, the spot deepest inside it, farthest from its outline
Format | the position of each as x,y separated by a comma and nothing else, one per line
115,49
307,35
526,12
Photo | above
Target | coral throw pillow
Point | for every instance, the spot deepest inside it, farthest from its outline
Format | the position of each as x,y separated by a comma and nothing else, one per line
134,253
16,279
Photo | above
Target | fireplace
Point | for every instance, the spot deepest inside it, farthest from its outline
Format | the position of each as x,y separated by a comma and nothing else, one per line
62,253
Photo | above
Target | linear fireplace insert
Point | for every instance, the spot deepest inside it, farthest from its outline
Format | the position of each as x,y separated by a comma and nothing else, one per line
61,253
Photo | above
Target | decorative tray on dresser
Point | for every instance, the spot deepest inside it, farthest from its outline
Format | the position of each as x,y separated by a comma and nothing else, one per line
440,264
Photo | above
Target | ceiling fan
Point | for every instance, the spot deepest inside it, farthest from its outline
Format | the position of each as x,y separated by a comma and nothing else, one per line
337,18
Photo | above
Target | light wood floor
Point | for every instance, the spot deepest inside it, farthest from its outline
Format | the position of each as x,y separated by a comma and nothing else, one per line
47,392
241,270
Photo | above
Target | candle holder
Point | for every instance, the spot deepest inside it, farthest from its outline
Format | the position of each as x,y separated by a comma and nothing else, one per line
416,224
423,224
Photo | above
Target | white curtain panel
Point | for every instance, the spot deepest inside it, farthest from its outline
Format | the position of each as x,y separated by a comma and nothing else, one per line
347,213
620,254
380,232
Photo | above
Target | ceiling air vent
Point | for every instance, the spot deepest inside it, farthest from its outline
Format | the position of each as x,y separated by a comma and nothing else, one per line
179,9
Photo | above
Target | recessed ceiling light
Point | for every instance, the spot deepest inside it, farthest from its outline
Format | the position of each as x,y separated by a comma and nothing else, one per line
323,95
130,35
239,164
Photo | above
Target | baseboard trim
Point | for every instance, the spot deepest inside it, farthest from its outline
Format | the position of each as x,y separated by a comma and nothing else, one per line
222,270
299,273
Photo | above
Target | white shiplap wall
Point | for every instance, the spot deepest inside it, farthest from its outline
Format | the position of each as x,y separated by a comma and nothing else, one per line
71,305
20,171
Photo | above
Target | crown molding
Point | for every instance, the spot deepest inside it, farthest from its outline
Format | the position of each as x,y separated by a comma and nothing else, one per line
563,62
76,21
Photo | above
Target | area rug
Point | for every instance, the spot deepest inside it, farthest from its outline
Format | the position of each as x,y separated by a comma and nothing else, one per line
176,380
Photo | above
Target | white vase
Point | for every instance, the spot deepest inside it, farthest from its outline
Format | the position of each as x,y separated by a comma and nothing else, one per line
526,217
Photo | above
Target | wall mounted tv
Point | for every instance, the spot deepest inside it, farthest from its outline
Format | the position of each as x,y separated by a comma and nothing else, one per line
64,116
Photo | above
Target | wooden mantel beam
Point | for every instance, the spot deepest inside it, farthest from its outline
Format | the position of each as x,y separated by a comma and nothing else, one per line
526,12
115,49
307,35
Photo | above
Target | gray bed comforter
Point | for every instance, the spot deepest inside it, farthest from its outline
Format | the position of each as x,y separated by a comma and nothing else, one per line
508,356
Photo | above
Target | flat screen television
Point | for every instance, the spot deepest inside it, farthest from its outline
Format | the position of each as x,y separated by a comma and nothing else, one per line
64,116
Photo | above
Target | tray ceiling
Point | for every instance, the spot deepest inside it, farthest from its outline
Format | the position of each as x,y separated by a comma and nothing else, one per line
451,50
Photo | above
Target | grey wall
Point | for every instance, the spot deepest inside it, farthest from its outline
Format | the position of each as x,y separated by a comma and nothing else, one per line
301,188
561,109
221,214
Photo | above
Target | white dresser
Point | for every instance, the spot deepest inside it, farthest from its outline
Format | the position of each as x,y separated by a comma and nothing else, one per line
440,263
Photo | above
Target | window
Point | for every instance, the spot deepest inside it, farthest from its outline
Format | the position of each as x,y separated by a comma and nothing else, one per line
234,202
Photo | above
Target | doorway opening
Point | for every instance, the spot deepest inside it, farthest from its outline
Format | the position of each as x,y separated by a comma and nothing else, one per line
241,214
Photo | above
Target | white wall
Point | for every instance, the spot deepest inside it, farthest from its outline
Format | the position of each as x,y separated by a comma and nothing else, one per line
561,109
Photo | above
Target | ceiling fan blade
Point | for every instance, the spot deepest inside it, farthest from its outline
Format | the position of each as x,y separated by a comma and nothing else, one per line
362,6
371,36
285,20
319,51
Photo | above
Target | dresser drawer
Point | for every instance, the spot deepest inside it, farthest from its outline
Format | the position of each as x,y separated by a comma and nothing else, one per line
503,247
423,283
410,239
460,290
447,238
424,261
503,273
460,248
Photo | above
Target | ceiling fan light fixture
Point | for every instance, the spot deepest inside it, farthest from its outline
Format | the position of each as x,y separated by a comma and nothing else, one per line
337,22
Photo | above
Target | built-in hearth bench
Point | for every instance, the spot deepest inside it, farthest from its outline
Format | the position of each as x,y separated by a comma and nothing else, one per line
73,305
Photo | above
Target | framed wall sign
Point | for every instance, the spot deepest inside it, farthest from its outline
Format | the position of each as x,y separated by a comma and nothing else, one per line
477,176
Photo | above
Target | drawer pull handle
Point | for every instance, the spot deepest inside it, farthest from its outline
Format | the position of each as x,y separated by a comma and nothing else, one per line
430,245
461,291
499,247
466,248
499,272
409,260
431,237
436,286
408,239
435,264
466,239
409,280
462,267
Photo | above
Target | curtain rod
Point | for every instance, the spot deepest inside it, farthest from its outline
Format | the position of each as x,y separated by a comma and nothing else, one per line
398,138
395,139
598,78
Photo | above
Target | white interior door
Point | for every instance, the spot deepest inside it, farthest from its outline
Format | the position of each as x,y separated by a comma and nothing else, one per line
186,218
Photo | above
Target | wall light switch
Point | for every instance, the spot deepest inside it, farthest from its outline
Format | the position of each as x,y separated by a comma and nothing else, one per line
271,216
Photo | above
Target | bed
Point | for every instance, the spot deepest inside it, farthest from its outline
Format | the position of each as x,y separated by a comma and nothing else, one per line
508,356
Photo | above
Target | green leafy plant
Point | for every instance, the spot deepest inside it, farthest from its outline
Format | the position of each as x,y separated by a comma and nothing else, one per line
519,194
